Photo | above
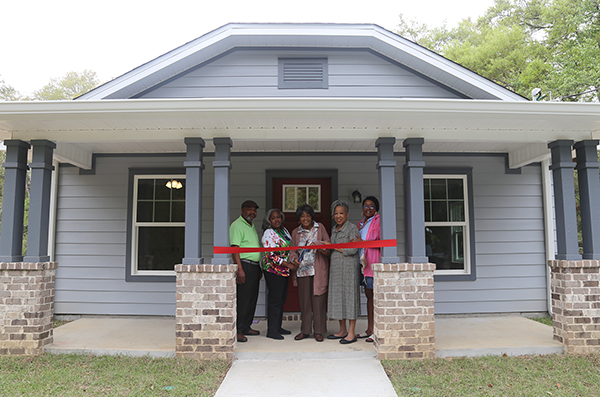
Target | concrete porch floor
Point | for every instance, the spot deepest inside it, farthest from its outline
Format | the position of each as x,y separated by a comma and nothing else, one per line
155,336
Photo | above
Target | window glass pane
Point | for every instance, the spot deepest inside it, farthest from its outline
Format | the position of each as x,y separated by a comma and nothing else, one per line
289,199
457,211
455,189
160,248
445,246
426,189
439,211
438,189
178,211
144,211
162,211
178,192
301,196
313,198
145,189
162,192
427,211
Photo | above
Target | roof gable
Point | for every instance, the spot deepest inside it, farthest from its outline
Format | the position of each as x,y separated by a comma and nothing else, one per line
301,37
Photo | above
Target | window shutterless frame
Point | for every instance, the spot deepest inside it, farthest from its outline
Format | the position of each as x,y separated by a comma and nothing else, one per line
449,223
155,224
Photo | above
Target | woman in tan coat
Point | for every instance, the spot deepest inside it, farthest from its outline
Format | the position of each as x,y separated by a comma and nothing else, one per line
312,275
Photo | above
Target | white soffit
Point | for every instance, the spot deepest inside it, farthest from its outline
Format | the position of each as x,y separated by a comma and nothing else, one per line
464,122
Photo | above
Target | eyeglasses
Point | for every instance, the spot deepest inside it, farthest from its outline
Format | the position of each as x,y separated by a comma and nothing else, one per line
369,207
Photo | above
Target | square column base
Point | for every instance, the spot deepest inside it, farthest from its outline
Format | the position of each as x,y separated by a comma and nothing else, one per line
576,304
26,307
404,314
205,325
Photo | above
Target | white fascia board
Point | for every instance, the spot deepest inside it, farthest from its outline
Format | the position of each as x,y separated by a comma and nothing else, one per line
528,154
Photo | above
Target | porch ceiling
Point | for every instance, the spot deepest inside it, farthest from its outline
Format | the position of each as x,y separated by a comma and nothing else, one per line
298,124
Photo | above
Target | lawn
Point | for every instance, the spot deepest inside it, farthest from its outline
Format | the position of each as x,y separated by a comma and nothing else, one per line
76,375
552,375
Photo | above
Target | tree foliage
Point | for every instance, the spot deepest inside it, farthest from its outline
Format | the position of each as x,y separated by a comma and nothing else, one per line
70,86
523,44
8,92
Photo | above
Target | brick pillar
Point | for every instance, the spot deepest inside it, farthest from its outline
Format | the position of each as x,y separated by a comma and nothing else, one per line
26,306
404,317
205,320
576,304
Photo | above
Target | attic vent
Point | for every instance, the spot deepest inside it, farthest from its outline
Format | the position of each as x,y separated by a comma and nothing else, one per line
303,73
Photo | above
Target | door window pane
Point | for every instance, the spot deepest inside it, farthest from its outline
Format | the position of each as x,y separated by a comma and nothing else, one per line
296,195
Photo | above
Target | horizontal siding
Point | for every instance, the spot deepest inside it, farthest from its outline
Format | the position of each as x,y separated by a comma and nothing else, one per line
254,73
91,231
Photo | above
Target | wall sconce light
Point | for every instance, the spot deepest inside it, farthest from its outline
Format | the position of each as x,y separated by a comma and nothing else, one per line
174,184
356,197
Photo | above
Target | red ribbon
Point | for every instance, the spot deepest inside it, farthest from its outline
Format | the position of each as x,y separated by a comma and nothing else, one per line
358,244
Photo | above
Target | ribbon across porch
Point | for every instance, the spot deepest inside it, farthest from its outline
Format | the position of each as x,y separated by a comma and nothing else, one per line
357,244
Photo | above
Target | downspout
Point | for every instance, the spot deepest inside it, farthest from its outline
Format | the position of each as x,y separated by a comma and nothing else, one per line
548,226
53,209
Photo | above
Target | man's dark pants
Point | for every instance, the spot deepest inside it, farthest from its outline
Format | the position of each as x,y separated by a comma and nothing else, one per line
247,296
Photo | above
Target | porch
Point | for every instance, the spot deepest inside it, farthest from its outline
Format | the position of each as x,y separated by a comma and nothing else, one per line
455,336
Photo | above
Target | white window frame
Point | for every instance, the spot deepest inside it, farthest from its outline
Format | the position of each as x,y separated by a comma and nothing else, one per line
300,185
136,225
465,224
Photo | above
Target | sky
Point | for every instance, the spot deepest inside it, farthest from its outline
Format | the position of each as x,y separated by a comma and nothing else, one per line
44,39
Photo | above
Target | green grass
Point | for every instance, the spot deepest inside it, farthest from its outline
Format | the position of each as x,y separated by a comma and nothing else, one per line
544,320
77,375
552,375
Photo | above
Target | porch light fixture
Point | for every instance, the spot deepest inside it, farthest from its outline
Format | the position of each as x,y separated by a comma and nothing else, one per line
174,184
356,197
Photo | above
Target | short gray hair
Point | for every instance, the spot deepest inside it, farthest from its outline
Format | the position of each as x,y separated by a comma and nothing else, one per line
339,203
267,222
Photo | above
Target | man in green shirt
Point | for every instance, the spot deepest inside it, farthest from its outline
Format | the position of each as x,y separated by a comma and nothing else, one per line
243,234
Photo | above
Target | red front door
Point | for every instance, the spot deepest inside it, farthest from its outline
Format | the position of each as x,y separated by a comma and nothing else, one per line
289,194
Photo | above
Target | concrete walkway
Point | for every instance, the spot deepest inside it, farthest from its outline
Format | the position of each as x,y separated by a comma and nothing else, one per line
269,367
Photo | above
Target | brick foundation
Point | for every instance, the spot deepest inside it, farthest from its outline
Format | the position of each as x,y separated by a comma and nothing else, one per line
26,307
404,317
576,304
205,320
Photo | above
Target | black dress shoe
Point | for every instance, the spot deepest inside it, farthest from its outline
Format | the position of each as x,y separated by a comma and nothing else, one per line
275,336
333,336
284,331
252,332
347,342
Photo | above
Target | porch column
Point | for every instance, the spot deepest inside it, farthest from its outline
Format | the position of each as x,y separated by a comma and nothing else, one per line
403,292
193,201
387,196
564,200
222,166
589,196
13,205
39,202
414,201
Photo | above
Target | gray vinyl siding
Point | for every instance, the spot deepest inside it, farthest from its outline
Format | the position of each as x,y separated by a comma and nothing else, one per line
254,73
92,211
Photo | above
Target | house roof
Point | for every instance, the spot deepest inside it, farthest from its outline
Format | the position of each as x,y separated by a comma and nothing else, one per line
308,36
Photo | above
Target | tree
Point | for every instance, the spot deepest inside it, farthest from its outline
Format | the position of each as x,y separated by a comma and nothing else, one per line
8,92
70,86
523,44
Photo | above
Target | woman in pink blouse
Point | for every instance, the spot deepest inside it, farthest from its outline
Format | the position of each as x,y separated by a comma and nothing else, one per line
276,268
312,275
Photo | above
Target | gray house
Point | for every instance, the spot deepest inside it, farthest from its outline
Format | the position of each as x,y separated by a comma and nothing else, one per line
151,167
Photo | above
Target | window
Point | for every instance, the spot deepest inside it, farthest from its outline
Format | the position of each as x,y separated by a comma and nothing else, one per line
157,225
296,195
303,73
448,228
